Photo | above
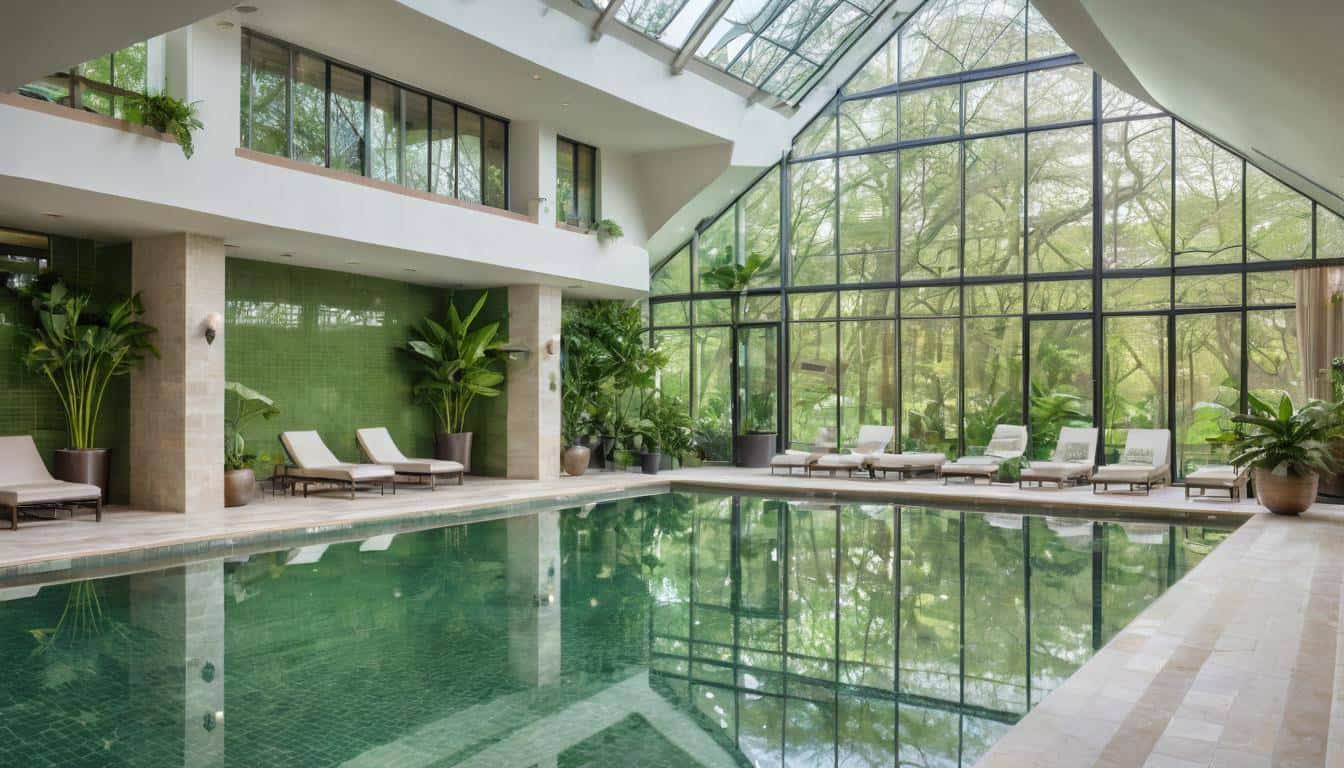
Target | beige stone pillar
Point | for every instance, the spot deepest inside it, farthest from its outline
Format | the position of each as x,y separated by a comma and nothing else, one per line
532,576
177,400
533,383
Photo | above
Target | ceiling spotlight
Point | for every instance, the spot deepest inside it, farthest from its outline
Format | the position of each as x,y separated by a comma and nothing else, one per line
351,262
223,25
245,8
564,105
51,215
408,269
536,76
286,255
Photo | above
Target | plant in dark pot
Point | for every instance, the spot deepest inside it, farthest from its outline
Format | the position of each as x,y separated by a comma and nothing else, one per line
574,458
457,364
242,405
80,351
755,446
1286,449
664,430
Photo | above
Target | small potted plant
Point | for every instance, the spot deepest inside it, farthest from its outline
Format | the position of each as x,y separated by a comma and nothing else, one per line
166,114
239,476
664,430
575,457
457,364
609,230
80,351
1286,449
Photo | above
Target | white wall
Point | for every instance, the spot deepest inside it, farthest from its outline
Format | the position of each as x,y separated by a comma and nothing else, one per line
99,176
620,187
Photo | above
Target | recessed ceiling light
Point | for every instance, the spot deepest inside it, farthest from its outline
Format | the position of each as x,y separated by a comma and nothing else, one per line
573,286
564,105
535,76
51,215
245,8
408,269
230,245
286,255
352,262
224,25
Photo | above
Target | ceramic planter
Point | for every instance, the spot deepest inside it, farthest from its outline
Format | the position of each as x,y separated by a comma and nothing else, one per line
649,462
1285,495
454,446
88,466
754,449
575,460
239,485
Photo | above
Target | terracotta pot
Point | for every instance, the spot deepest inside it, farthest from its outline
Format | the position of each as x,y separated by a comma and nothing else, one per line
454,446
90,467
1286,495
575,459
239,485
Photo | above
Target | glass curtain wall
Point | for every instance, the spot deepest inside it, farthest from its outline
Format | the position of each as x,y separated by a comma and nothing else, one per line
978,230
575,183
298,104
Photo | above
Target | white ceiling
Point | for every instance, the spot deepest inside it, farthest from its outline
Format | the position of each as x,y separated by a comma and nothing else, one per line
1266,78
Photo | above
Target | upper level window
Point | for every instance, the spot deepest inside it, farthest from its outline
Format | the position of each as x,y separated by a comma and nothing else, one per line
575,183
100,85
298,104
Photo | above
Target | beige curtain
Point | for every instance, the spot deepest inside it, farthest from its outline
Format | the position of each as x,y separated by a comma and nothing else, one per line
1320,325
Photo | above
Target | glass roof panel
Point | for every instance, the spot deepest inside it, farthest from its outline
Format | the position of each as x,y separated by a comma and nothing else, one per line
779,45
648,16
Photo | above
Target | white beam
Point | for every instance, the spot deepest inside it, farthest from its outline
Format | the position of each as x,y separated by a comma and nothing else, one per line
605,18
699,33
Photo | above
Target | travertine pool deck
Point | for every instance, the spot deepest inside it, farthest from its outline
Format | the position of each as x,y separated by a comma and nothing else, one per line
1239,664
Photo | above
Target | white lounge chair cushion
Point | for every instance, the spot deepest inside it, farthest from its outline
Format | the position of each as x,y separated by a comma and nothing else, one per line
970,468
1127,473
308,451
357,473
916,460
1057,469
49,492
841,460
793,459
427,467
1225,474
20,462
978,461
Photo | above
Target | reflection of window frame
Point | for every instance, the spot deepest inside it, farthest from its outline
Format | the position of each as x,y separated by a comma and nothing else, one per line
577,149
488,121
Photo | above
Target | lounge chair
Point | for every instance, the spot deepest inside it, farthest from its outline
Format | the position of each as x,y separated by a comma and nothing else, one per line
312,462
1073,460
906,464
378,446
1009,441
25,483
871,440
1143,462
1219,477
795,459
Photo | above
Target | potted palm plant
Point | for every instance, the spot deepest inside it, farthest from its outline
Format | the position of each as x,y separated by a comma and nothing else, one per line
80,351
664,430
1286,449
248,405
457,364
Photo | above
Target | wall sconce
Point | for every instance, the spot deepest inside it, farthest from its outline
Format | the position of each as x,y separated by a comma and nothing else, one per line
214,323
552,346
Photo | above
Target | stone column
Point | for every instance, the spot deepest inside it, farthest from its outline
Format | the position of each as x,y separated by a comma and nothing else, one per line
533,383
532,576
177,400
532,170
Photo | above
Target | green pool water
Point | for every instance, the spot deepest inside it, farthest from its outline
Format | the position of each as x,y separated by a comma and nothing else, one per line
670,630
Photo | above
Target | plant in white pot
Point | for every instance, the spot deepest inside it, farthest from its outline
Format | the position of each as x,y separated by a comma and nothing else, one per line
457,364
80,351
248,405
1286,449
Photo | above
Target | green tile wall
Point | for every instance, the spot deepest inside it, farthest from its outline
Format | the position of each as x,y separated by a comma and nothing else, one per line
325,346
28,405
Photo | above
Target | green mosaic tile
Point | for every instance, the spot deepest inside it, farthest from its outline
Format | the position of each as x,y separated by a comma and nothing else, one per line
29,405
324,346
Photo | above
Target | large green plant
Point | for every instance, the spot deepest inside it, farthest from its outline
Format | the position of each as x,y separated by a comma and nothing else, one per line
731,276
166,114
80,351
247,406
457,363
1287,442
609,370
665,426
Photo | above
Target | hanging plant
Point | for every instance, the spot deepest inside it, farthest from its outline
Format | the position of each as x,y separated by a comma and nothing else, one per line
166,114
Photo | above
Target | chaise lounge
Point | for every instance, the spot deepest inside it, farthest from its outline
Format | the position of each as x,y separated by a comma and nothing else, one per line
906,464
25,483
378,445
1073,460
1219,477
1009,441
871,441
311,462
795,459
1143,462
